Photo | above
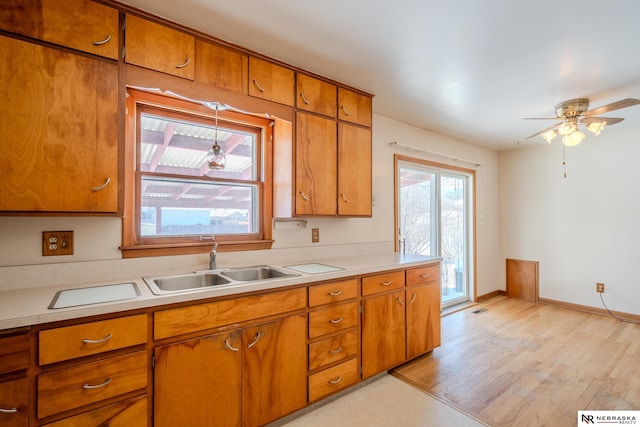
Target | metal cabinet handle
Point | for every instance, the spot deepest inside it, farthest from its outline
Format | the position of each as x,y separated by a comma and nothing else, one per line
400,301
335,380
229,346
304,196
101,42
183,65
425,275
255,341
346,113
8,411
387,283
255,82
98,341
335,351
91,387
335,321
103,186
304,98
336,293
344,198
413,298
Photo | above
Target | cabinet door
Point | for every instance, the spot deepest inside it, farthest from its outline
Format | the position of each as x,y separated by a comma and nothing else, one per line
316,95
423,319
221,67
354,107
13,403
59,130
316,165
131,412
197,382
14,353
354,170
79,24
274,370
159,48
383,333
270,81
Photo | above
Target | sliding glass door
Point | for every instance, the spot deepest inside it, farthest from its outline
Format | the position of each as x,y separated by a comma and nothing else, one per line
433,217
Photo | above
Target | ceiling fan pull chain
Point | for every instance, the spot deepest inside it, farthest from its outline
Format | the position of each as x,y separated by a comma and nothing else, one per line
564,160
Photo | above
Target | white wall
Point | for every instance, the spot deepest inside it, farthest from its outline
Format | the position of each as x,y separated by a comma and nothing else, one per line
96,242
583,229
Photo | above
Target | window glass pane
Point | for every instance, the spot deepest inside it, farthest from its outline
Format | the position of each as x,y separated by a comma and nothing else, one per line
171,207
180,148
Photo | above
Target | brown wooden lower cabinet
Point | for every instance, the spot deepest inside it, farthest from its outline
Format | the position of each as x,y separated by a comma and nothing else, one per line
131,412
333,379
248,376
423,319
14,398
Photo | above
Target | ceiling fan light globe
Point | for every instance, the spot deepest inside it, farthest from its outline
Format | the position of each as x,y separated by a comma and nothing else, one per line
566,128
549,135
574,139
596,127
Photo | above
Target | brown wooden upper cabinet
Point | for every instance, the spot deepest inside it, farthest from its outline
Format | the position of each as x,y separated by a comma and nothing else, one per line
315,95
221,67
59,151
78,24
354,170
354,107
159,47
270,81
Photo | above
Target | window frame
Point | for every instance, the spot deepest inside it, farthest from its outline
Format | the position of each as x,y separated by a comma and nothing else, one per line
133,244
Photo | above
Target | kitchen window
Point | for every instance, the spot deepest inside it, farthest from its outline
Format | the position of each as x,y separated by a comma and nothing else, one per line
179,204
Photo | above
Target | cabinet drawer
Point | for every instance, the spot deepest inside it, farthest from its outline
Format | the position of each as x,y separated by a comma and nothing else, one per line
333,349
74,387
332,319
132,412
422,275
382,282
14,396
14,353
333,379
200,317
70,342
332,292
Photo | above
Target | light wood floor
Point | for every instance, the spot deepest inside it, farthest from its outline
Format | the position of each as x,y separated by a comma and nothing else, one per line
521,364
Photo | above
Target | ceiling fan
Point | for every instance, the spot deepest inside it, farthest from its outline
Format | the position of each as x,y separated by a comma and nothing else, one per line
575,113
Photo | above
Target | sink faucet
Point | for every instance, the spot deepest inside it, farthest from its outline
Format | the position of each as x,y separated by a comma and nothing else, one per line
212,257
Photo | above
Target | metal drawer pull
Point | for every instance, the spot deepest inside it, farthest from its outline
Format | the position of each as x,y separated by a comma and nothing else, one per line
387,283
336,293
346,113
335,380
8,411
105,41
425,275
255,341
255,82
98,341
183,65
229,346
413,298
344,198
91,387
335,351
304,98
304,196
400,301
336,321
103,186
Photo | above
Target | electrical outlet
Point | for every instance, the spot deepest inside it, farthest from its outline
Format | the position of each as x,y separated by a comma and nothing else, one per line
315,235
57,243
600,287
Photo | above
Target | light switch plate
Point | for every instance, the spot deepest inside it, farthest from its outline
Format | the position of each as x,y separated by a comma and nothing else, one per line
57,243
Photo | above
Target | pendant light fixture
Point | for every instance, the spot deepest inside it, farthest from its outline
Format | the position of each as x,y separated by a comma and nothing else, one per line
215,156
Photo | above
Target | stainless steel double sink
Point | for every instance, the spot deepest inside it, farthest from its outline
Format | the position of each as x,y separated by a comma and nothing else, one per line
213,278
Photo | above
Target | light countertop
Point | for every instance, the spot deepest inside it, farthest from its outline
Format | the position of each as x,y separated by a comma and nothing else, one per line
26,307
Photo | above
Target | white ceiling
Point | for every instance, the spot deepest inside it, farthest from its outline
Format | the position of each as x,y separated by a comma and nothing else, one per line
469,69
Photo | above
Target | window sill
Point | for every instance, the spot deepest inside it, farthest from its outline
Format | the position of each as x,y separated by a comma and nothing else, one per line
141,251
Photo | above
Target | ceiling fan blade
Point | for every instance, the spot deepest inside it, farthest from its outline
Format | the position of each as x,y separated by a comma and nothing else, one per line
624,103
543,130
608,120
